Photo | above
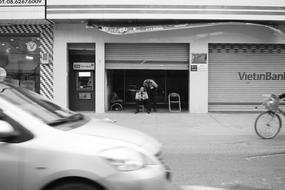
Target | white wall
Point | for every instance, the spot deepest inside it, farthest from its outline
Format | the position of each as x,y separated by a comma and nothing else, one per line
64,34
255,10
198,38
171,2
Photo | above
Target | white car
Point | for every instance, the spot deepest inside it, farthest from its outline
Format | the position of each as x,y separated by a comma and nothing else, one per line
45,147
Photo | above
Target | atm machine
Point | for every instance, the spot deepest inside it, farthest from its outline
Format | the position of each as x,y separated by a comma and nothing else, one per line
81,86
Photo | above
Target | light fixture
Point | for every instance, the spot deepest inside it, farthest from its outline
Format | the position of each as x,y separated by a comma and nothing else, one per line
28,57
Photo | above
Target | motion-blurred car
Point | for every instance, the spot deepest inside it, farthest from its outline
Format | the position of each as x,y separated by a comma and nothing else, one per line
43,146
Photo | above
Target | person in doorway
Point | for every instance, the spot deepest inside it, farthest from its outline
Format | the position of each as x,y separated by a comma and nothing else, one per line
151,88
142,99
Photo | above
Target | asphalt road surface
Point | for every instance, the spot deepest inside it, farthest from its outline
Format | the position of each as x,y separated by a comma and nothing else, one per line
214,150
227,161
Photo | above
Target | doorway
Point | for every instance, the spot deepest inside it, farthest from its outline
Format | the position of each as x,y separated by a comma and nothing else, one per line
125,83
81,76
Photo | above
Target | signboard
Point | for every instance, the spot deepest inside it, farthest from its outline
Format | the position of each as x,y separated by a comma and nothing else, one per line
9,3
261,76
194,68
83,66
199,58
19,10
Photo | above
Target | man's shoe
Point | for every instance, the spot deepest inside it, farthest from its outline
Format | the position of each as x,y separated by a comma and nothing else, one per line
136,112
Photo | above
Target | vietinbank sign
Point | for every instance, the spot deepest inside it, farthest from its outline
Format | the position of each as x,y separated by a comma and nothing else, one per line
261,76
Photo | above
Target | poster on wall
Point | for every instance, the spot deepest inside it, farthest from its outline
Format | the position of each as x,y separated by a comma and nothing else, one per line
199,62
199,58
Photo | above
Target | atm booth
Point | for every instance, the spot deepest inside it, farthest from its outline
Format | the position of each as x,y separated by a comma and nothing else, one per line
82,78
82,92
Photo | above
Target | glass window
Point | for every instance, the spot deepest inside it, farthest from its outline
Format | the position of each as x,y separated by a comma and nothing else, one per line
20,57
40,107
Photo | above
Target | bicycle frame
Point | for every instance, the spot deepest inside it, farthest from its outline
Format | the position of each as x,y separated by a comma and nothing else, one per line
281,112
268,127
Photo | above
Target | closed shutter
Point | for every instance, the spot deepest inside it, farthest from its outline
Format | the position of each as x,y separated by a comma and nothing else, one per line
240,73
158,56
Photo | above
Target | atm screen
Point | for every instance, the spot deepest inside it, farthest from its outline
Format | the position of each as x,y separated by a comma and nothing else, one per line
84,81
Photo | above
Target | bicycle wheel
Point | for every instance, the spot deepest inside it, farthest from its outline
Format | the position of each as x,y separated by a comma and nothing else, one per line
267,125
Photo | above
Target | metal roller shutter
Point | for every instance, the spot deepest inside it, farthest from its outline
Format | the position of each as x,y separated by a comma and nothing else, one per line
240,73
157,56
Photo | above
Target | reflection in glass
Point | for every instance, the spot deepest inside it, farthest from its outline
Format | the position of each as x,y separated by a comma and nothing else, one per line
20,57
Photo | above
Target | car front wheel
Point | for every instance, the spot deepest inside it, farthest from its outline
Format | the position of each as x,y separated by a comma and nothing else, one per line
74,186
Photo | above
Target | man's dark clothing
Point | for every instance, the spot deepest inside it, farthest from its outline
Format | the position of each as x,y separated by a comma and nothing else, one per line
282,96
152,96
151,88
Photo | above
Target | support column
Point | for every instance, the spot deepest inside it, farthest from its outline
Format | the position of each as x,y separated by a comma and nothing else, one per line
100,78
198,80
60,71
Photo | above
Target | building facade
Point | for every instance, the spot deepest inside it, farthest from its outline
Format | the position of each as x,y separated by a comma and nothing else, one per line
218,55
26,49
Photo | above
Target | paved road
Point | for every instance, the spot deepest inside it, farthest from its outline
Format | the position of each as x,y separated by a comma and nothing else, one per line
217,150
223,160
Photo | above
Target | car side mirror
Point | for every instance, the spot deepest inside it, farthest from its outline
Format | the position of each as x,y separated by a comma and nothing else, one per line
7,131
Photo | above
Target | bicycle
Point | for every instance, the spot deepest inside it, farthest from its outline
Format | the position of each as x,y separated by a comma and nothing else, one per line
268,123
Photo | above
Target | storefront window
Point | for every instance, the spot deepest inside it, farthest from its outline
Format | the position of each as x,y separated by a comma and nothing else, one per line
20,57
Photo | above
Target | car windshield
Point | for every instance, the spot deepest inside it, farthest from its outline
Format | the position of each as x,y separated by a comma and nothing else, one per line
38,106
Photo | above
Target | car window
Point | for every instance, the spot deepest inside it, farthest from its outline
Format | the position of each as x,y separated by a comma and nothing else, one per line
37,105
24,134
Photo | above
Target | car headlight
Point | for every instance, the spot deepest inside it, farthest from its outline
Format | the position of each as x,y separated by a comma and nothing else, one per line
125,159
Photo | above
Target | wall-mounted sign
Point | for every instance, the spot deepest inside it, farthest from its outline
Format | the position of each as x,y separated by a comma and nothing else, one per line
261,76
23,9
194,68
31,45
45,58
199,58
21,2
83,66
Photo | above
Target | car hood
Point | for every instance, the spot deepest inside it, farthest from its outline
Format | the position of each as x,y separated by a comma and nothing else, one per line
105,129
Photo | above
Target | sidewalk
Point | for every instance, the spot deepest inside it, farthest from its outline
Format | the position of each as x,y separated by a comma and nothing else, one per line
193,124
199,133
